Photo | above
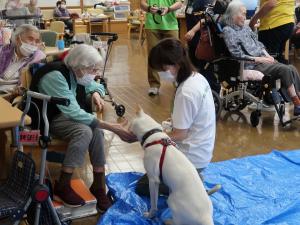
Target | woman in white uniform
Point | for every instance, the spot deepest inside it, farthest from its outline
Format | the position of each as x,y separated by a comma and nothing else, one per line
193,117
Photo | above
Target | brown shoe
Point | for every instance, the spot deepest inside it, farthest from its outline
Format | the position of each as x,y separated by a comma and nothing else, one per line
103,202
68,196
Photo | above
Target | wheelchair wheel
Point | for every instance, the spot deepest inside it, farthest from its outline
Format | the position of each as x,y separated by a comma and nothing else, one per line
235,116
218,103
236,104
120,110
254,118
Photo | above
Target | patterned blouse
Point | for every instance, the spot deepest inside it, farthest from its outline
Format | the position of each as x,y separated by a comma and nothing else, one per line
242,42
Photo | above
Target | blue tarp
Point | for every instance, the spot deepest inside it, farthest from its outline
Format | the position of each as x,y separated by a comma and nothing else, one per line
256,190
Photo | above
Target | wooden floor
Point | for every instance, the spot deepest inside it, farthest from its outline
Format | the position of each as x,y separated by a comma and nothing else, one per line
126,75
127,79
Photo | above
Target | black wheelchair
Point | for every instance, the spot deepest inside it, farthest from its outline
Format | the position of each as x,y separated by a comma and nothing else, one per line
237,92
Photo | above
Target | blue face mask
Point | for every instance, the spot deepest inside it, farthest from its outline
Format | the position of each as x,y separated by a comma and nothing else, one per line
86,79
166,76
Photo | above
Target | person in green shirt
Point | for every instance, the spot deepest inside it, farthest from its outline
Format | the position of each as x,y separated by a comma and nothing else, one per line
160,23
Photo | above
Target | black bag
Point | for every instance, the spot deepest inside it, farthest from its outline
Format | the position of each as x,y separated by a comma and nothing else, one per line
221,6
200,5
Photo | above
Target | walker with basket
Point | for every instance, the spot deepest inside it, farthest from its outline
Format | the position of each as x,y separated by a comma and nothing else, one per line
25,190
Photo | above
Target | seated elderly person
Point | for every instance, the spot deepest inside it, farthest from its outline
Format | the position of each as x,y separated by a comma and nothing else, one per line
81,129
23,50
17,8
62,13
36,11
33,8
242,42
14,4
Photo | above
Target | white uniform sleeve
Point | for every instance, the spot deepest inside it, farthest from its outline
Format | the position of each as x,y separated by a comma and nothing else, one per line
184,112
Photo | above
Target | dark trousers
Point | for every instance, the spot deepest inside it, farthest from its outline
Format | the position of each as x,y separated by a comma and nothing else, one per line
295,39
275,39
287,74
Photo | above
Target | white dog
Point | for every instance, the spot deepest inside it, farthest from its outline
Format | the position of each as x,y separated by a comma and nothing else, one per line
188,199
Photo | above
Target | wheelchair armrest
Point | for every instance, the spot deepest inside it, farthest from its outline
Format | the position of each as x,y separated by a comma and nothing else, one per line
232,58
243,59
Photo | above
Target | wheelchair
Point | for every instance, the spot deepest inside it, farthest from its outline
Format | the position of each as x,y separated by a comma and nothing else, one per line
237,92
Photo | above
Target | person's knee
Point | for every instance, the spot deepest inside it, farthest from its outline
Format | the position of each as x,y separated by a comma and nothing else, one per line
98,132
86,134
293,68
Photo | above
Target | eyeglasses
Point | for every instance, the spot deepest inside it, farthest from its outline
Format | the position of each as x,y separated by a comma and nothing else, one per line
95,70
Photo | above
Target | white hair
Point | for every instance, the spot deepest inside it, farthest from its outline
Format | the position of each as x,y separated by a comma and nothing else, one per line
232,10
24,28
82,56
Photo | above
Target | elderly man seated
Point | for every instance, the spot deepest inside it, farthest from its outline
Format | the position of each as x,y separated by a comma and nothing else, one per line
242,42
23,50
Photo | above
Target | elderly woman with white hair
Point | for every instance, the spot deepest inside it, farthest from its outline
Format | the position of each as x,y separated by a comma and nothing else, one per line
23,50
243,42
72,123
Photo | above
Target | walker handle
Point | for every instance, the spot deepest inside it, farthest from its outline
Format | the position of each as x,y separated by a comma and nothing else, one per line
55,100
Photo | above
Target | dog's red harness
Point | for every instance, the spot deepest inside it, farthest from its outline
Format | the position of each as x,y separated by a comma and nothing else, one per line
165,142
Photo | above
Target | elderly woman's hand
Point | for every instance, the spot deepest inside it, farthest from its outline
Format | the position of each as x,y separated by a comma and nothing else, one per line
265,59
98,101
121,130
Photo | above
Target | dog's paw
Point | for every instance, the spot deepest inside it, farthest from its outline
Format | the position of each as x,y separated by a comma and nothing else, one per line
150,214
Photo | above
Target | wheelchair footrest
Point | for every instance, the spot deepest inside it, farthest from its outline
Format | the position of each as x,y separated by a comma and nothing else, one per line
88,209
276,97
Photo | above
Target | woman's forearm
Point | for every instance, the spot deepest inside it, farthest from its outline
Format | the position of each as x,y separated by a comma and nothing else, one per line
178,134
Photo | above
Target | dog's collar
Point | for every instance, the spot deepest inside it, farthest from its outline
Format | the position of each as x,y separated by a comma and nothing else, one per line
148,134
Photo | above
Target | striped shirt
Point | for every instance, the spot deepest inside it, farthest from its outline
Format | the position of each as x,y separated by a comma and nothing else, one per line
11,75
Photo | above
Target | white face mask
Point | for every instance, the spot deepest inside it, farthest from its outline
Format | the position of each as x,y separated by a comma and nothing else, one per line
86,79
27,49
63,6
166,76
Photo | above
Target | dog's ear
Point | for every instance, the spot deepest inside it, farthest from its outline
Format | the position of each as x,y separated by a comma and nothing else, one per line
139,110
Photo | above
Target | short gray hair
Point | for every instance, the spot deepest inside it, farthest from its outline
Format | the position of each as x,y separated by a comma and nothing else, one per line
82,56
233,9
24,28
